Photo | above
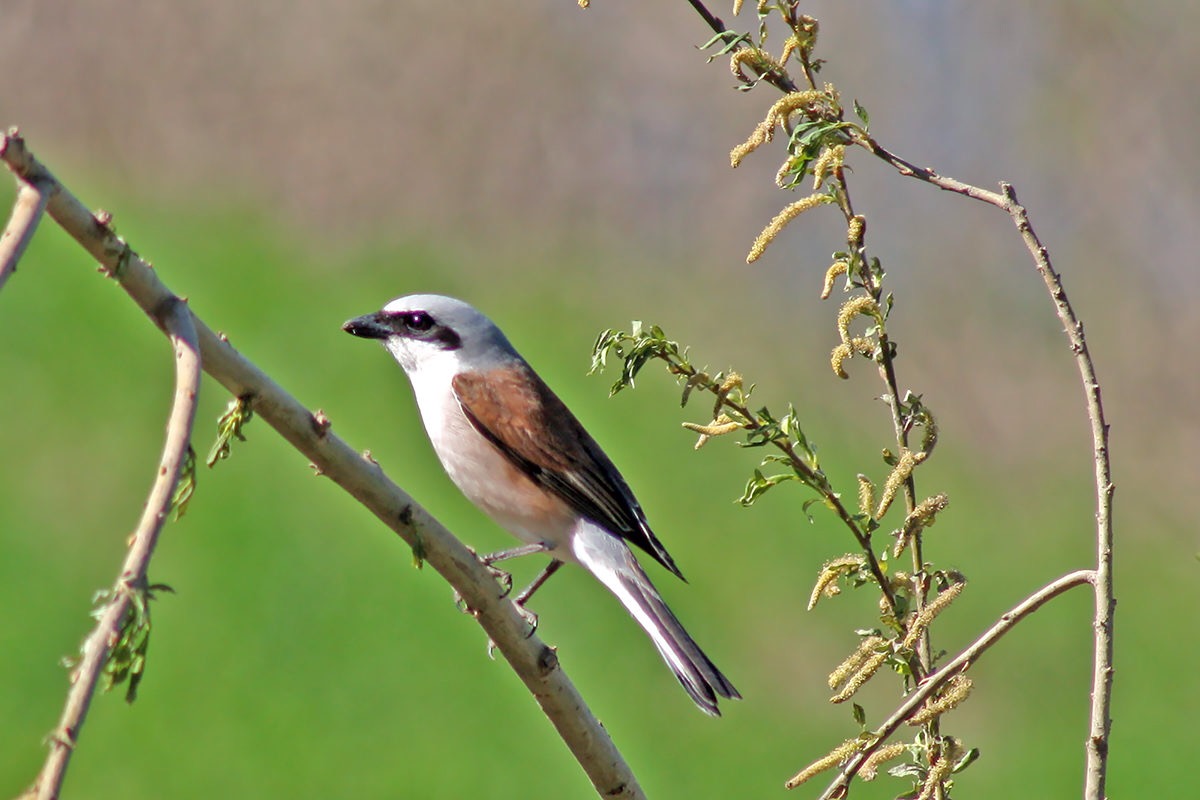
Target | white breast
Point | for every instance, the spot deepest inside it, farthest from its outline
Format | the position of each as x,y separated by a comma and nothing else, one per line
485,475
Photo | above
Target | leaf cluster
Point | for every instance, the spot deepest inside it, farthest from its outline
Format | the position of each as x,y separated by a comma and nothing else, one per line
127,657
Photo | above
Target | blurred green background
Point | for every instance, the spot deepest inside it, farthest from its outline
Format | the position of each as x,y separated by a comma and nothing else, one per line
287,167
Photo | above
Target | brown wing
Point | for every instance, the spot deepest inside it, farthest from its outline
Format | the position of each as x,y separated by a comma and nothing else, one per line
518,413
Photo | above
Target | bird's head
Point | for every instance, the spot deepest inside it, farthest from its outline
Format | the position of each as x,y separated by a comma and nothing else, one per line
429,330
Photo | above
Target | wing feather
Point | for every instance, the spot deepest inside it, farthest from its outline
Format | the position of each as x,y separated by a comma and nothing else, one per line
517,412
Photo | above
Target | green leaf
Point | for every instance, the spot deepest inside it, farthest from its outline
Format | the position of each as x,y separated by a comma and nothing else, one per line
759,484
730,45
418,551
907,770
127,656
809,503
862,114
229,426
185,487
969,758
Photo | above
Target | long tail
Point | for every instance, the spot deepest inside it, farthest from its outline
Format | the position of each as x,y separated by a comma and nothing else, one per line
610,560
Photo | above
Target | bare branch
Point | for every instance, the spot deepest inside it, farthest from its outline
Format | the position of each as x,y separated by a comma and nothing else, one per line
1100,719
175,318
27,212
840,787
536,664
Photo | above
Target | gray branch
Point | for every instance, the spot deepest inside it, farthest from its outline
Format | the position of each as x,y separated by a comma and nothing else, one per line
534,662
173,316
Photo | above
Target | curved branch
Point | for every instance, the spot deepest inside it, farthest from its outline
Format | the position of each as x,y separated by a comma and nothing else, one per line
1100,718
959,664
174,317
27,212
535,663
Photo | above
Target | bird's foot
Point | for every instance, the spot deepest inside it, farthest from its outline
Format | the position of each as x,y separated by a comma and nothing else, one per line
505,579
530,618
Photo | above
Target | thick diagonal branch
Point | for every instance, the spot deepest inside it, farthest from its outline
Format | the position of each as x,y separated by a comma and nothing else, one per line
536,664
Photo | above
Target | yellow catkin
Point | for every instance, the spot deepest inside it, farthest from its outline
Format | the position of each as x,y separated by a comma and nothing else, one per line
758,60
830,160
790,46
870,767
785,170
838,357
936,606
790,103
696,379
777,114
866,495
956,690
843,671
900,473
862,346
761,134
776,225
923,516
865,672
855,231
830,571
952,751
929,440
738,59
928,509
835,269
862,304
732,381
825,582
737,7
845,350
839,754
718,427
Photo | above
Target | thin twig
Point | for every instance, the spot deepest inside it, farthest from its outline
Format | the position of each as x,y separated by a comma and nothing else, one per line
840,787
777,78
1100,717
536,664
27,212
1100,720
830,497
174,316
926,174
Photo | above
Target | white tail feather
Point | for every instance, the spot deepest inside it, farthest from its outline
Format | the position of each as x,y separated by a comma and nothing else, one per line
610,560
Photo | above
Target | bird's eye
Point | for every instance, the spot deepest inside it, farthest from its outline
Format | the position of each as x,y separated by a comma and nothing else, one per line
418,321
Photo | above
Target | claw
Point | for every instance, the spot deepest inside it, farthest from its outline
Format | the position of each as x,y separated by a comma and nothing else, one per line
506,585
503,578
531,619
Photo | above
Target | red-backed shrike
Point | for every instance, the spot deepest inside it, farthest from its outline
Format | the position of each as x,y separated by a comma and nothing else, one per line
512,447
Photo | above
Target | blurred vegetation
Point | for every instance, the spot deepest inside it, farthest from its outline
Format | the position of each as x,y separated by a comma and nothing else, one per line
302,655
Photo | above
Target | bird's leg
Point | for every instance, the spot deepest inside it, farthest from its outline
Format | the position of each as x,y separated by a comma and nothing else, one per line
521,599
505,578
503,555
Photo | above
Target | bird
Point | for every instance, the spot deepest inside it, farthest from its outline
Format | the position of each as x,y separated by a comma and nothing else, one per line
515,450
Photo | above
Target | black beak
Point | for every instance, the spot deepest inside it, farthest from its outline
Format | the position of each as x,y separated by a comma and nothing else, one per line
368,326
